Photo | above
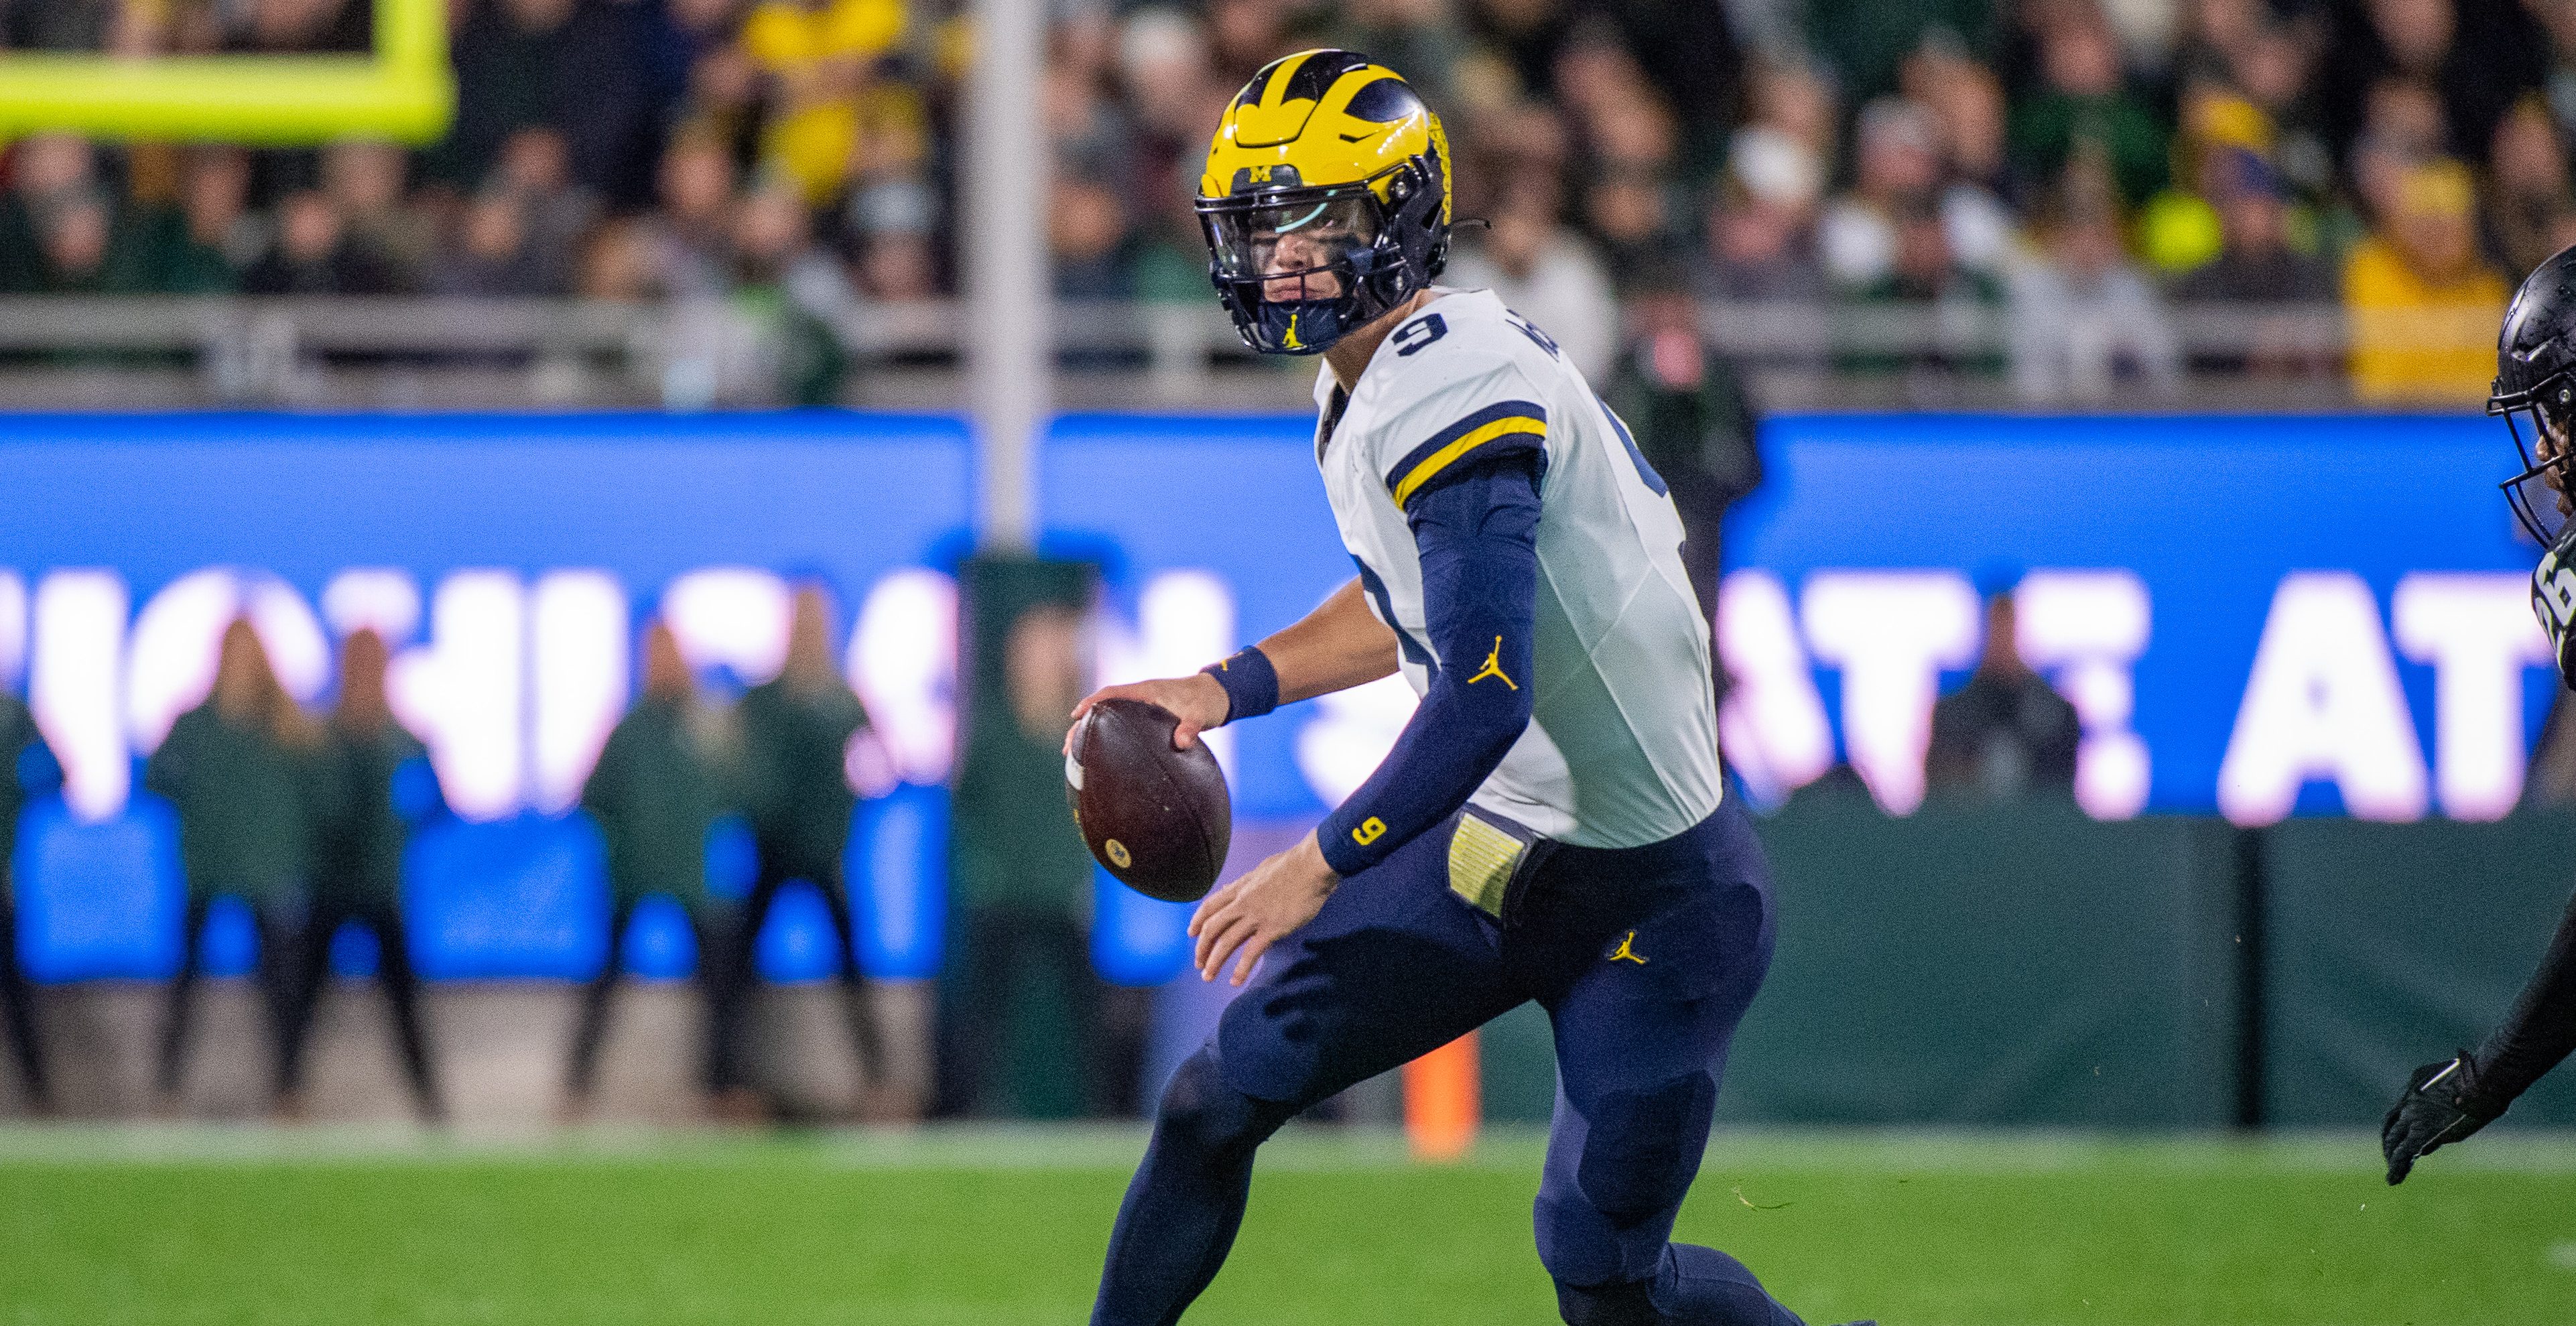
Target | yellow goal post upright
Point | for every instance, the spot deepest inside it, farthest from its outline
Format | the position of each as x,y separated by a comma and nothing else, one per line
403,92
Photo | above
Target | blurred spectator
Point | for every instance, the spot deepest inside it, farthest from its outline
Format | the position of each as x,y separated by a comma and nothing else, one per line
2006,733
1021,881
798,730
2476,58
1525,36
2404,129
2422,305
204,249
2082,317
687,34
1864,41
375,785
899,266
2255,262
2085,106
1797,101
1688,411
242,771
1897,167
536,170
687,239
818,57
2180,229
366,181
2557,59
1689,52
73,237
1546,274
2530,212
656,794
490,254
1087,232
47,173
1966,104
1630,144
1760,244
803,293
2256,265
617,264
1929,315
576,65
28,771
312,255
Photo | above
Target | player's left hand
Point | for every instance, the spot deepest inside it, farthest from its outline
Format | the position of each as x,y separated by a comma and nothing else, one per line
1262,906
2433,1111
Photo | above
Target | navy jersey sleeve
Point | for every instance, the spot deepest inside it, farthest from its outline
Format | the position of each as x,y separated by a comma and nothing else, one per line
1475,523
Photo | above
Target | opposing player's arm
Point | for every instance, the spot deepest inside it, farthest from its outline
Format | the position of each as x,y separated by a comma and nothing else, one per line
2446,1102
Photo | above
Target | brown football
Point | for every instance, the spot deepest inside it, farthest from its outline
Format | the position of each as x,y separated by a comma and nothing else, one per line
1159,819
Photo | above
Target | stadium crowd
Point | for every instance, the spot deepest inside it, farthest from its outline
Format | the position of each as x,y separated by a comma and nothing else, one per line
2082,165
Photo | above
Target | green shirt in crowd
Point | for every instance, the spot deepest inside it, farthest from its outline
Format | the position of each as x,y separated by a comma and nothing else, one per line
361,831
657,791
796,790
245,805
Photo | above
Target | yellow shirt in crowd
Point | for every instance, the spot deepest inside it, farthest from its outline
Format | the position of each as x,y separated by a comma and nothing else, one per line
812,140
2419,341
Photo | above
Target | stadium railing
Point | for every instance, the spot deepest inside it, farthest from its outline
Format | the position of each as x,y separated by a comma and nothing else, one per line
124,352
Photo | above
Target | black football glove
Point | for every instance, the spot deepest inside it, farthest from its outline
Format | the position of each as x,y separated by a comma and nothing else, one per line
2438,1107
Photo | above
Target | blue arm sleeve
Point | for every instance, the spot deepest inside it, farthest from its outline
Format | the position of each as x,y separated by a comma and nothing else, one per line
1478,536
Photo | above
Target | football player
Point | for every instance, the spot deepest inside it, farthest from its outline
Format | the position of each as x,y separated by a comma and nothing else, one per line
1549,825
2536,383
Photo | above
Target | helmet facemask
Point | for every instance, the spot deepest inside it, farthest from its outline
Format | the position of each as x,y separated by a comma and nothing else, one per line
1300,268
2543,495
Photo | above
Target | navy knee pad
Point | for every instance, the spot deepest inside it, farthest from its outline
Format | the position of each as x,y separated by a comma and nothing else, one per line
1630,1304
1642,1148
1202,1109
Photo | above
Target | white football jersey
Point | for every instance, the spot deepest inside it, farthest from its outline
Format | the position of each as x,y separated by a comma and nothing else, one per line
1622,750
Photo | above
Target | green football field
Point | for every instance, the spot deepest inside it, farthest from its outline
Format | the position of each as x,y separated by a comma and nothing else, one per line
941,1228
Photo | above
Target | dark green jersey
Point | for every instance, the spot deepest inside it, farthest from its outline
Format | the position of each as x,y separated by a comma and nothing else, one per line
795,787
657,791
360,829
245,804
1012,841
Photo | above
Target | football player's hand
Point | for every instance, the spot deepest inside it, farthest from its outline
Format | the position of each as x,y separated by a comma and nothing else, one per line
1196,700
1262,906
2432,1113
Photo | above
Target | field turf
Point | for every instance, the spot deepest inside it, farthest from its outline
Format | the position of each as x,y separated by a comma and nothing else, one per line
108,1227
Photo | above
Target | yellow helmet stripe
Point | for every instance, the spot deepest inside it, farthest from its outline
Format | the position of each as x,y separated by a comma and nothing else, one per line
1273,120
1281,77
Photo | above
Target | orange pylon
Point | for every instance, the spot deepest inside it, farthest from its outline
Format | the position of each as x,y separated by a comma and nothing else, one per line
1442,1104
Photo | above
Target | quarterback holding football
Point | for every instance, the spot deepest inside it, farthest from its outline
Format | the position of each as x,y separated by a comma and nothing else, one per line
1550,824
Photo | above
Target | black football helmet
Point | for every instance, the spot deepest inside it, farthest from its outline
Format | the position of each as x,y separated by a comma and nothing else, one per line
2536,375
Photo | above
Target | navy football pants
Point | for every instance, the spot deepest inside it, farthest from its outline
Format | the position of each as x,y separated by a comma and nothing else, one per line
1644,958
